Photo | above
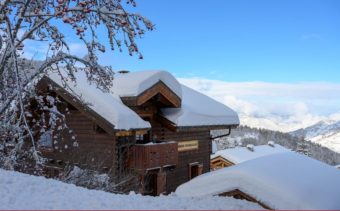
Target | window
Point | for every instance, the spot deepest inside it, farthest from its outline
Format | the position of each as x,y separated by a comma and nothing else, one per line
147,136
195,169
106,169
139,137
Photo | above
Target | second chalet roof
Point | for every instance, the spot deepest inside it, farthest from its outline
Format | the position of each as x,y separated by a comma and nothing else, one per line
281,181
107,105
242,154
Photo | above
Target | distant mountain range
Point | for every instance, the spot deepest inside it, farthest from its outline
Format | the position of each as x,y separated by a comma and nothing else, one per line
325,133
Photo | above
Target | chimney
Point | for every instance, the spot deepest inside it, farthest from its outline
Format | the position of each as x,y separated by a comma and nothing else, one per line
250,147
123,71
271,143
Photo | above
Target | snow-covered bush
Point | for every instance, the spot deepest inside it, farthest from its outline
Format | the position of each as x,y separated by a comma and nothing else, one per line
92,179
87,178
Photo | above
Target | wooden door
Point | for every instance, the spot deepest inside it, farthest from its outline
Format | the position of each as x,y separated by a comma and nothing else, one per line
161,183
195,169
155,183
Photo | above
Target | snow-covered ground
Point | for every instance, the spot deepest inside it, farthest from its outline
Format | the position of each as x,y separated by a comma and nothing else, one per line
284,181
22,191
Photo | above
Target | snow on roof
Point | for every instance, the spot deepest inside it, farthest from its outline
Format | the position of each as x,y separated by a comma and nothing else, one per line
132,84
242,154
200,110
26,192
197,109
107,105
281,181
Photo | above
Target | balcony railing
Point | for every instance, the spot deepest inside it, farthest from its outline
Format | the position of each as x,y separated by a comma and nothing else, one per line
154,155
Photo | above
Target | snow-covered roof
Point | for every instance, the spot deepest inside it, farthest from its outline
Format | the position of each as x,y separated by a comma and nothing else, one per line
242,154
133,84
200,110
108,105
196,110
281,181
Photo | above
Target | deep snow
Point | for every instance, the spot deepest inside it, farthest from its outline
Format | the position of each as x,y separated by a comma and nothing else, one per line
22,191
281,181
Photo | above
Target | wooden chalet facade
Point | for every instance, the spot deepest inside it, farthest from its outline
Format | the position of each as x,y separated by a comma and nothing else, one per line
145,142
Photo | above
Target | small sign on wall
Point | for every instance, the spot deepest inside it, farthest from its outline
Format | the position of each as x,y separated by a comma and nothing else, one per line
187,145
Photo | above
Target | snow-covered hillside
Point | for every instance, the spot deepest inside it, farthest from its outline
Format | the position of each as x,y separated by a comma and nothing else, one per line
21,191
326,133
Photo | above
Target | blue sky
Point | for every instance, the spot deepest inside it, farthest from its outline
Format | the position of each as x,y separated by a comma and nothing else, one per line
276,62
240,40
274,41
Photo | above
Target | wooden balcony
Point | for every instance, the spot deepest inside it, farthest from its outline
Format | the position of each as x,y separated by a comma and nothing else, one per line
154,155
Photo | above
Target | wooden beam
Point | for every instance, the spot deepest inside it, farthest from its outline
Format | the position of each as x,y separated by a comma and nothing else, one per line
162,89
220,162
241,195
166,123
131,132
124,133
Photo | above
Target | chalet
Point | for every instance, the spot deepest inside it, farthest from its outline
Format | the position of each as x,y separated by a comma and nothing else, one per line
233,156
148,127
283,181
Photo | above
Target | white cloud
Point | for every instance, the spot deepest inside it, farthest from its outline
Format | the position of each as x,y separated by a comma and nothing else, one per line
277,106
